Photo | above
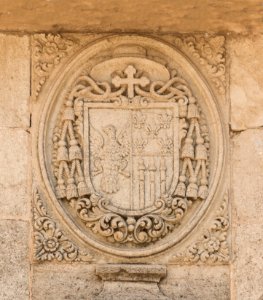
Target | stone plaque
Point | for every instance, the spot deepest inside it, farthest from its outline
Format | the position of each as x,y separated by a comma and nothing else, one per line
130,145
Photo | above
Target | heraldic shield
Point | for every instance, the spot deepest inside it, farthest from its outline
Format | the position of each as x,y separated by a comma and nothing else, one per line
133,153
130,156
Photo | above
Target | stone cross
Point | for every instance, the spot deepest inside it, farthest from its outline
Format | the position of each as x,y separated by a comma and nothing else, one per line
130,81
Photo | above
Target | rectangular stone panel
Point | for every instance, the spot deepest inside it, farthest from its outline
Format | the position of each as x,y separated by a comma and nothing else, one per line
14,81
14,260
14,174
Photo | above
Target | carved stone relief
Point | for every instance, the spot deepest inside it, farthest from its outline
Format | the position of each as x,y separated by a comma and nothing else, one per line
50,241
213,245
48,51
130,144
209,53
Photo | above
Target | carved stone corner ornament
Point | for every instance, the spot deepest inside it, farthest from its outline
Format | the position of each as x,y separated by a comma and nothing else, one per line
131,145
131,281
209,53
48,51
50,243
213,246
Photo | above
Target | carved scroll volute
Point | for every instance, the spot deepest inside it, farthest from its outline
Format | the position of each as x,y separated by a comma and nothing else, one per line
131,146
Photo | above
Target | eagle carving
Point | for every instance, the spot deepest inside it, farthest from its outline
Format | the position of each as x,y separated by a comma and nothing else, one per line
110,156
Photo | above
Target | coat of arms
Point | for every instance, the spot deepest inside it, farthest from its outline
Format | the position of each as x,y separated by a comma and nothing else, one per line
131,153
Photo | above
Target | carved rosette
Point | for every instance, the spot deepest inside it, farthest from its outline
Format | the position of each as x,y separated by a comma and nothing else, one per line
213,246
50,242
130,159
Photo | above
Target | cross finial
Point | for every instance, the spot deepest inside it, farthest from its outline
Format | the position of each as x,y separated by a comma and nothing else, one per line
130,81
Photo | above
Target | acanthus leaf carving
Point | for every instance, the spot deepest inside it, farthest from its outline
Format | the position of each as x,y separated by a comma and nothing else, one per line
213,246
50,242
48,51
209,53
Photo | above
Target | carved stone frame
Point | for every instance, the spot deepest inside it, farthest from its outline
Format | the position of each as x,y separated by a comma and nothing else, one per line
50,95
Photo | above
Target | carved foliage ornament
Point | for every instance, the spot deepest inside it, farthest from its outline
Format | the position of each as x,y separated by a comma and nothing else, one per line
209,52
212,247
48,51
131,146
50,242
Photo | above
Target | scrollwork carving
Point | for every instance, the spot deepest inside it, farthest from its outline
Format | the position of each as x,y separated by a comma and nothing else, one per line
212,247
50,242
137,229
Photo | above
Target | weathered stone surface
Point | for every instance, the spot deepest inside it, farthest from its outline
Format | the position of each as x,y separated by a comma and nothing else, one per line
248,263
154,15
130,291
131,281
77,280
14,260
133,272
197,282
14,81
14,173
57,282
247,175
246,78
247,156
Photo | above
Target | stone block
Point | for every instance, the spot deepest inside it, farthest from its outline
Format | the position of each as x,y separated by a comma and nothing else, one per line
57,282
197,282
128,282
14,174
14,260
246,82
14,81
248,262
247,176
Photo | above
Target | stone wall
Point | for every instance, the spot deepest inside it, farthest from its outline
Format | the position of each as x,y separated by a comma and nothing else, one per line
22,277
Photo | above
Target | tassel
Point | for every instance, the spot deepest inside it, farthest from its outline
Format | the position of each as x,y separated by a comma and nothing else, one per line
61,189
69,112
192,109
192,189
74,151
180,190
182,111
71,189
62,154
200,152
82,187
188,149
203,192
